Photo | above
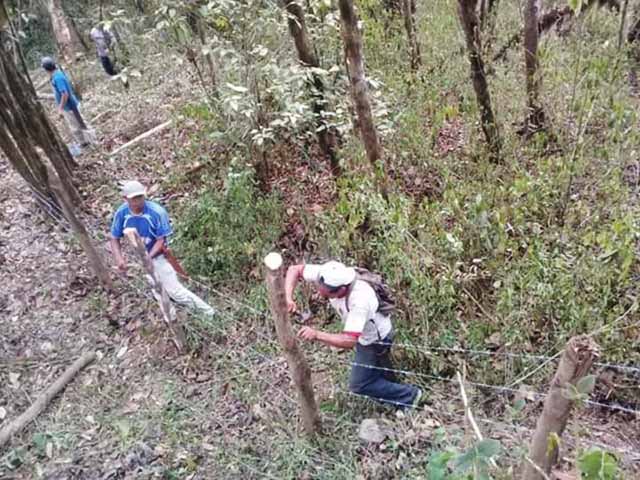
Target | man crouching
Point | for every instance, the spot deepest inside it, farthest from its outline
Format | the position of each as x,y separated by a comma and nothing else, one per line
365,327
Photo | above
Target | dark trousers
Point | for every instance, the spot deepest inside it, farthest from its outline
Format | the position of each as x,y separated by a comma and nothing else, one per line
375,382
108,66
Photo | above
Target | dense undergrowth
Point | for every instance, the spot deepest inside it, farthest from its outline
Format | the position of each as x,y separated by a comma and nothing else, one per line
535,249
517,255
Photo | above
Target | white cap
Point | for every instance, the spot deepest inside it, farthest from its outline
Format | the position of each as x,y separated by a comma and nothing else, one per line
335,274
133,188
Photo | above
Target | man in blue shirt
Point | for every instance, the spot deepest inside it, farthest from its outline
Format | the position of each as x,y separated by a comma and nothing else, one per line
67,103
151,221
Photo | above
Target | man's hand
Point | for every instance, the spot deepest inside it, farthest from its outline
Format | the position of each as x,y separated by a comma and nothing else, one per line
291,306
61,112
307,333
122,265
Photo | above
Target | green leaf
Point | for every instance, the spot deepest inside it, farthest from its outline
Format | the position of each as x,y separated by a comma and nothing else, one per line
553,443
467,460
586,384
40,442
519,405
488,448
575,5
571,393
597,464
437,467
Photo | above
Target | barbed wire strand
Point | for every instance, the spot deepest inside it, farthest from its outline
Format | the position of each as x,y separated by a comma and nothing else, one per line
488,386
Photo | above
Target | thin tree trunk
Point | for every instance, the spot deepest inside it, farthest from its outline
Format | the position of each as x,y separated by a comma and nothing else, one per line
355,66
308,58
409,14
24,120
633,38
19,55
489,27
623,19
298,366
78,227
535,119
208,57
66,37
139,6
578,356
470,25
75,35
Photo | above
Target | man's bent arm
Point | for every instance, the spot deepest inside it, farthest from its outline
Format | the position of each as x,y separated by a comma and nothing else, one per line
63,100
338,340
294,274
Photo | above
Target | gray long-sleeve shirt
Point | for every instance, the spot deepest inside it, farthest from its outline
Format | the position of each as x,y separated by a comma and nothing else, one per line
102,39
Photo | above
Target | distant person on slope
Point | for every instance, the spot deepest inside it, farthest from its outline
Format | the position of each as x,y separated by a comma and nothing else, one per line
103,39
366,327
151,221
68,104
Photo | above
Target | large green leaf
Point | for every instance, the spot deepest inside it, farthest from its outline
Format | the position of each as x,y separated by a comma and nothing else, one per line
597,464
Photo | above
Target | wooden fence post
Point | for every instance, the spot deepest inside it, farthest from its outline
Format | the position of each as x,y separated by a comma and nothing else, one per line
578,356
300,371
78,227
161,295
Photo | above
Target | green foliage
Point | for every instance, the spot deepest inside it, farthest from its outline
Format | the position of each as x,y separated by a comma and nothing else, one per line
224,234
597,464
473,464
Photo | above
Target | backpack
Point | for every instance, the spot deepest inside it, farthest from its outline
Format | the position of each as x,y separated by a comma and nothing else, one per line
386,303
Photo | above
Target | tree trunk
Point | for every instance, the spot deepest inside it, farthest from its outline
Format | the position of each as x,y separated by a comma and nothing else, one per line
578,356
27,136
359,90
67,38
409,14
633,38
536,119
97,265
5,22
139,6
469,20
623,19
307,57
300,371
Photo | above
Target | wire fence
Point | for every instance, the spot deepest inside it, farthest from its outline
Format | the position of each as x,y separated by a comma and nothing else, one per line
238,305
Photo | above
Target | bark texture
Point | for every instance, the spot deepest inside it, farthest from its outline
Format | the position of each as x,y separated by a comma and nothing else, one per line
470,24
28,138
300,371
578,356
535,119
359,90
69,43
409,14
307,56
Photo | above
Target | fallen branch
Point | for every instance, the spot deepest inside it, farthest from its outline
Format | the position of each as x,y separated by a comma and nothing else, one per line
147,134
42,83
45,398
46,96
99,116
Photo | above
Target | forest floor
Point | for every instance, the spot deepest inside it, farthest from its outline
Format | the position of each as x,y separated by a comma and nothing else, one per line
142,411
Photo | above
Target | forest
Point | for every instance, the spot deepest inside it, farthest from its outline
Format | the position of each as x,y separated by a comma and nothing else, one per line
461,175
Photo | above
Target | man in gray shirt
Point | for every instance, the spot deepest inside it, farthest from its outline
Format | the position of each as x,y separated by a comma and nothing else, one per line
102,38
